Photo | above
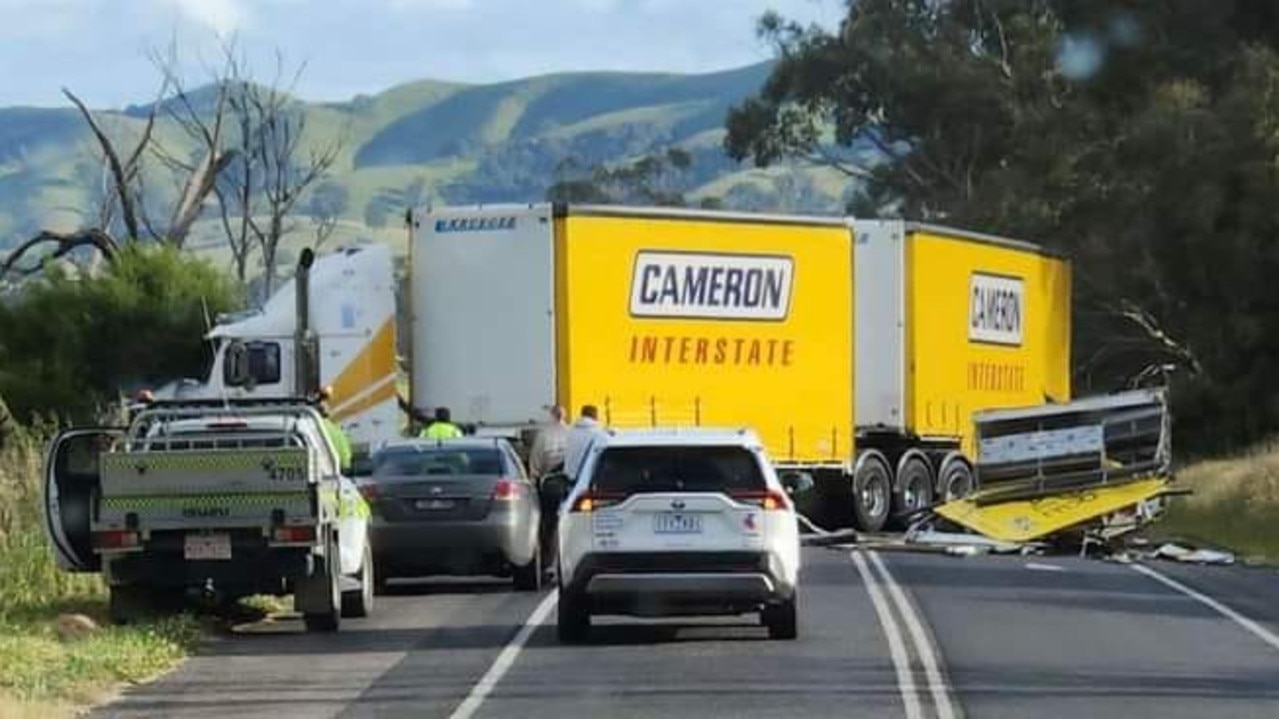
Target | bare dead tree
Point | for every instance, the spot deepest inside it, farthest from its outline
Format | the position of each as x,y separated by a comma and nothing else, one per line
279,158
203,126
237,189
325,207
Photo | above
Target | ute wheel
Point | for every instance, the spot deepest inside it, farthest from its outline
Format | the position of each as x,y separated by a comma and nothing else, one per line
573,618
872,492
528,578
782,619
330,618
359,602
956,480
127,603
914,487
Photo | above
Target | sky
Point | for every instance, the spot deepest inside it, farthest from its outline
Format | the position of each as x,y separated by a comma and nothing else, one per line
100,48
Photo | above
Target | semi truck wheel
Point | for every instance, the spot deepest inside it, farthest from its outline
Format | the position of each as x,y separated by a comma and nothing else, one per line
127,603
956,480
914,486
872,491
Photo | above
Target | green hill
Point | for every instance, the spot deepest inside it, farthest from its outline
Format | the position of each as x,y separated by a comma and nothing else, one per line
455,143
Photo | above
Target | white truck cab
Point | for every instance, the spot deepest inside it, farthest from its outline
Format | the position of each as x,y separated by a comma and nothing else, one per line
679,522
349,311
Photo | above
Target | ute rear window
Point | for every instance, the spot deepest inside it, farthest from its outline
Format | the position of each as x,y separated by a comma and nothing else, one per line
431,462
634,470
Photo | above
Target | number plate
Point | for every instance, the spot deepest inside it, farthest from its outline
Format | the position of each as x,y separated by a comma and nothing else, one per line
207,546
434,504
670,523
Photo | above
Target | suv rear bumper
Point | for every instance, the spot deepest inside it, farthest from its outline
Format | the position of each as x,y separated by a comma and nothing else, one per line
743,587
668,582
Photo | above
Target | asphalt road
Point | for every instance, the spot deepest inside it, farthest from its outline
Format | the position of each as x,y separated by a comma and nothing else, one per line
881,635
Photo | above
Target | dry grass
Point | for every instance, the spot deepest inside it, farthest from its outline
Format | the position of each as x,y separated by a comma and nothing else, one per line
41,675
1235,503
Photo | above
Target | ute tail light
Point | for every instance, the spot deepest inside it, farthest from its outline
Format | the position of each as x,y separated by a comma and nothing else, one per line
508,490
115,539
294,535
591,501
765,499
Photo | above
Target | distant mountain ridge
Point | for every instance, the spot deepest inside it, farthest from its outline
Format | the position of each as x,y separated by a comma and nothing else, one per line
452,143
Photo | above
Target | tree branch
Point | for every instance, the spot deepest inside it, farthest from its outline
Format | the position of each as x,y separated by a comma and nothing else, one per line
113,160
65,242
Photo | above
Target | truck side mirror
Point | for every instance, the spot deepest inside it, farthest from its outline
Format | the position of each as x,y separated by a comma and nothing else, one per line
796,482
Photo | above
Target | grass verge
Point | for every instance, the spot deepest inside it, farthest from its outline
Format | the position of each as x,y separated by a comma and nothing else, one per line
45,672
1235,504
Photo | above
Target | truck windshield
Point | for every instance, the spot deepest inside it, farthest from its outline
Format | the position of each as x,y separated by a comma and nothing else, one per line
446,461
634,470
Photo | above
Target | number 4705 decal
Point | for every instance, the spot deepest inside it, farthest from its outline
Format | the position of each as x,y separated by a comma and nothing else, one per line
277,473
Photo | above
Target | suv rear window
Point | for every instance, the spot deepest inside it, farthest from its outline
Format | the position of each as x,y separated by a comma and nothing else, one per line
422,462
634,470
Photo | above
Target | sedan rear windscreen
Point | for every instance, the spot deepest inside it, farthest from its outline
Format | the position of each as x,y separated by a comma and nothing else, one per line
632,470
436,462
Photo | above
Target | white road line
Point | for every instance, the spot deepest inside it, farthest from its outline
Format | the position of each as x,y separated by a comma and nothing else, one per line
923,647
503,663
1253,628
896,646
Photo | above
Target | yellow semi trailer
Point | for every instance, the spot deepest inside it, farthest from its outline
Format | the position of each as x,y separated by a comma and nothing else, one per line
857,349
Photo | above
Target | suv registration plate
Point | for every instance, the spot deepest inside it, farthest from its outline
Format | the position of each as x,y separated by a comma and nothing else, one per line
670,523
207,546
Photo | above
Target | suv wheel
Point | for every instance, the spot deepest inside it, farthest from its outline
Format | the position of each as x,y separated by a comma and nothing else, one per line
782,619
573,618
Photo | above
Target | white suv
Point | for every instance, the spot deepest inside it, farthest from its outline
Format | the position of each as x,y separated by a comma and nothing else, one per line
678,522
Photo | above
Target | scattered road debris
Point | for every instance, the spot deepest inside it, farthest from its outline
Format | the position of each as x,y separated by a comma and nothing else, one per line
1178,553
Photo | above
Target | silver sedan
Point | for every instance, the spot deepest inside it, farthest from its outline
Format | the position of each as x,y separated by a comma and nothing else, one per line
461,506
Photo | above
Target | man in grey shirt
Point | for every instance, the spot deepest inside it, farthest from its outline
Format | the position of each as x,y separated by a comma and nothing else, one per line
547,452
583,433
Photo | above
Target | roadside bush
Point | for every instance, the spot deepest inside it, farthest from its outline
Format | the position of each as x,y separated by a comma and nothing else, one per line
70,344
42,674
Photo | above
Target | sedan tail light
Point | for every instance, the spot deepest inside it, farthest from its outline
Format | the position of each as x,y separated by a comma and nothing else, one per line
508,490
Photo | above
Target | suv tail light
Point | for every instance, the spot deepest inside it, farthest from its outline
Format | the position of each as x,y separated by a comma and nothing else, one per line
368,490
591,501
508,490
767,499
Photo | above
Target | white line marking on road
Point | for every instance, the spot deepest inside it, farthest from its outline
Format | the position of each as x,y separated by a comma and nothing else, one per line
923,647
1045,567
896,646
1254,628
503,663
